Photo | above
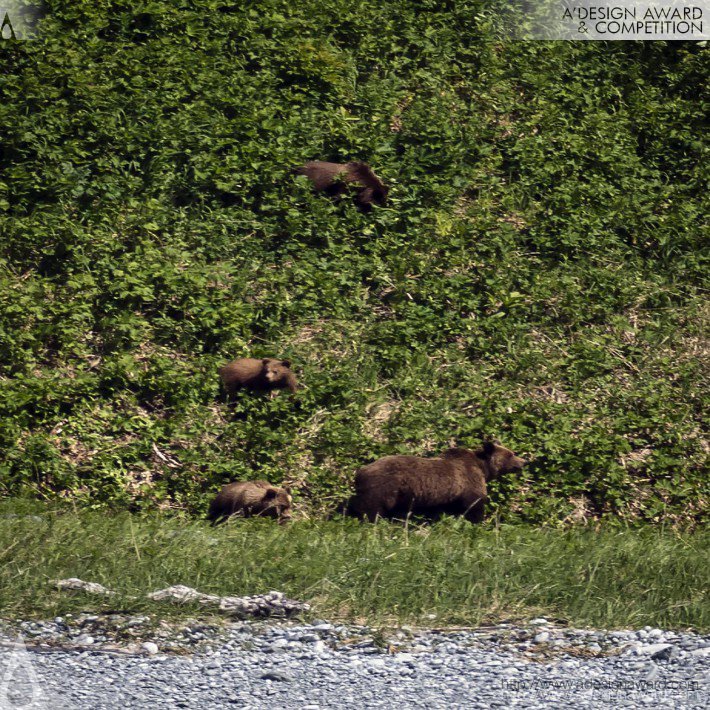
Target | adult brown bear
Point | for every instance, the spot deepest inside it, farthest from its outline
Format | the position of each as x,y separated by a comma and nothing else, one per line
248,499
261,375
335,179
454,484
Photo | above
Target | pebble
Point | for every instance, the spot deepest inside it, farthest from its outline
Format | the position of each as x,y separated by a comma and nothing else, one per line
654,649
652,673
278,676
278,645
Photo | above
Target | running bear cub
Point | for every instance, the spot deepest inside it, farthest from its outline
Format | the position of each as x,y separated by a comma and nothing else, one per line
248,499
455,483
335,178
261,375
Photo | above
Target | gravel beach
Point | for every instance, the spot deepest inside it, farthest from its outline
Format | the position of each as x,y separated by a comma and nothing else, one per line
135,662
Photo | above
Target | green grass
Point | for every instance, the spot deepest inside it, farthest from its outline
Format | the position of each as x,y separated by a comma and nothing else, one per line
384,573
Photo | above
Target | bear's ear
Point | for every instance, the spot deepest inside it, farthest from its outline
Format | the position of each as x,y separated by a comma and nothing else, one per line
270,493
288,490
488,448
286,363
264,361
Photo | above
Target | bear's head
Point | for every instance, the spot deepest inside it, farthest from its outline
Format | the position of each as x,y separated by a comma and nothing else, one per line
371,196
276,503
373,192
498,460
278,373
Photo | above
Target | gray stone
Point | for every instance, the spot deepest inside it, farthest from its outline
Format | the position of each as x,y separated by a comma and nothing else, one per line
665,654
74,583
277,676
652,673
651,649
277,645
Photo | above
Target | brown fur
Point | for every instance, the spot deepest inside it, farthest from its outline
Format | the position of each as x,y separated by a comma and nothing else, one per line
335,178
455,483
251,499
260,375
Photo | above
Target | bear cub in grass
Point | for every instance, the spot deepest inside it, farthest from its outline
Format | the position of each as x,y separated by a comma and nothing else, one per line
334,180
248,499
261,375
455,483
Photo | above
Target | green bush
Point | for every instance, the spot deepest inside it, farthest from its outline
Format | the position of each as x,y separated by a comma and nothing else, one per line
538,276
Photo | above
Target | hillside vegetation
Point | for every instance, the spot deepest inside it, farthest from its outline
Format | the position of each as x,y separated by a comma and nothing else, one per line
538,275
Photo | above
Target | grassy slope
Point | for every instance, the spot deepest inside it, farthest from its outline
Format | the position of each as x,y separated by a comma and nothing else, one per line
538,277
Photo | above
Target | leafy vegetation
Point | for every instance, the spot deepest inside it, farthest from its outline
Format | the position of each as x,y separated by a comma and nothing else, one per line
538,276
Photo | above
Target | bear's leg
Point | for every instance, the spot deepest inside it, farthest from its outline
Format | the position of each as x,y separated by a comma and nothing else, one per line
361,509
376,511
474,513
373,511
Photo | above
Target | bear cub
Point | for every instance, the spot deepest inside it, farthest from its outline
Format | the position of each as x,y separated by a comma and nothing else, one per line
248,499
334,179
260,375
454,484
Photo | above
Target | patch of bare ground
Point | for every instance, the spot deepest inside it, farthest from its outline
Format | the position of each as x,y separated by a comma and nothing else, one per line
377,415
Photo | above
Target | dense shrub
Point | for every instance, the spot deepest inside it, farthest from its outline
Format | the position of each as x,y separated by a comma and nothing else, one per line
538,276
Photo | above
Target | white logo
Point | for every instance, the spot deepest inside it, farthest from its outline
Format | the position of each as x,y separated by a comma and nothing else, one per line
608,19
17,20
19,686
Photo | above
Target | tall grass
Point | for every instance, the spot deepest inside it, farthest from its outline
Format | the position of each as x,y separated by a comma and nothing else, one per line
385,572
